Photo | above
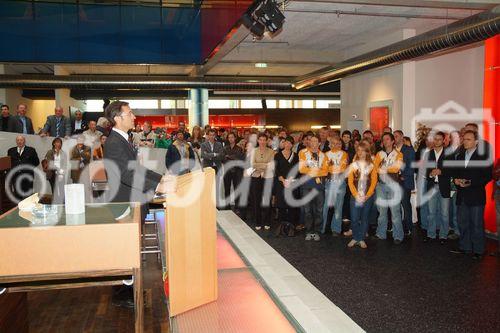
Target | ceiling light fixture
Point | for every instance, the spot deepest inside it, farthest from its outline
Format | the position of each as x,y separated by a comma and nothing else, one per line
264,17
260,65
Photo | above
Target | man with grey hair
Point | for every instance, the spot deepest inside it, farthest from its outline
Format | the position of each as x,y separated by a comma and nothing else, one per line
20,123
27,160
57,125
92,135
78,125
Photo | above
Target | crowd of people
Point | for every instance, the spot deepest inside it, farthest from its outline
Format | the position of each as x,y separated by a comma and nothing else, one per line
351,184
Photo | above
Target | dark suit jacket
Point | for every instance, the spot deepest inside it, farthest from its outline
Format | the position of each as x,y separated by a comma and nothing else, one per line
207,154
16,125
29,157
444,180
4,123
50,126
326,147
475,194
85,127
120,161
408,171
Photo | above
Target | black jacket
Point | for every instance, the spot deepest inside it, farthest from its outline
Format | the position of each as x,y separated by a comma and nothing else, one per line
444,180
173,158
4,123
84,127
122,168
29,157
16,125
479,175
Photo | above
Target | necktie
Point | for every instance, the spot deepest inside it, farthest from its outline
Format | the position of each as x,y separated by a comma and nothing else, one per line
58,126
23,120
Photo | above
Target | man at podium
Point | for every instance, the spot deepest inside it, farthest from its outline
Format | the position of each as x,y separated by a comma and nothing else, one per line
128,180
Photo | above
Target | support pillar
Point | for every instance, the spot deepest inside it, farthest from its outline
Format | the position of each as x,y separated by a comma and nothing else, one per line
198,110
491,101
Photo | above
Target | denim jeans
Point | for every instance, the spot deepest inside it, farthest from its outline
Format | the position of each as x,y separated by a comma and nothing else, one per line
453,214
407,213
439,209
334,197
384,192
471,225
313,210
360,215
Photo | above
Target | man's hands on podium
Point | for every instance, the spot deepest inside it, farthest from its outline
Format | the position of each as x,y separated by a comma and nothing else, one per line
166,185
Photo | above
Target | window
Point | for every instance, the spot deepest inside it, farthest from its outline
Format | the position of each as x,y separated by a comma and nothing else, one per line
327,103
251,104
183,103
285,104
303,103
167,103
271,103
143,103
219,104
94,105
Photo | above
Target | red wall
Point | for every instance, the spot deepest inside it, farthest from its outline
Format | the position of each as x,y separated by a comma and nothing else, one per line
491,101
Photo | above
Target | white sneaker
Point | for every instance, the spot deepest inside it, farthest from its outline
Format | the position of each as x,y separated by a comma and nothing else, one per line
362,245
316,237
258,228
267,227
351,243
309,237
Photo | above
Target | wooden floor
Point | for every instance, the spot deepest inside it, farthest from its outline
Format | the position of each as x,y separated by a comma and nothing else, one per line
90,309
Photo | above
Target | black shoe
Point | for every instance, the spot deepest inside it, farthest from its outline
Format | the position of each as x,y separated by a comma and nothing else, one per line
457,251
335,234
426,239
477,256
442,241
397,242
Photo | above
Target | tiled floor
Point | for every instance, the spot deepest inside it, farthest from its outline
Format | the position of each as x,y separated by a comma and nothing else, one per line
243,305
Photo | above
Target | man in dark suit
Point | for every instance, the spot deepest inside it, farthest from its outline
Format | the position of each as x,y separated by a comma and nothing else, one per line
26,159
78,125
20,123
128,180
120,159
407,180
324,144
212,152
471,175
57,125
438,182
5,118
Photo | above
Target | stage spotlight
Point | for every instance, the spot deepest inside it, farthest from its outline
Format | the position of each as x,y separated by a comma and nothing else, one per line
270,16
264,16
256,28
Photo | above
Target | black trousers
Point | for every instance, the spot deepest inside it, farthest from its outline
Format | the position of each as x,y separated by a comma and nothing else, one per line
407,213
261,203
233,177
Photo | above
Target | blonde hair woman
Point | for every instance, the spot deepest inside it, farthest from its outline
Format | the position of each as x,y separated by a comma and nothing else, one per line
362,180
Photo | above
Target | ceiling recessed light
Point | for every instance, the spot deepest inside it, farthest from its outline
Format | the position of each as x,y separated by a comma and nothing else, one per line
261,65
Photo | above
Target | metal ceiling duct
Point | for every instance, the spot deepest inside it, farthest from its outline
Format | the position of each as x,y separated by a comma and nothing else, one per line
470,30
138,82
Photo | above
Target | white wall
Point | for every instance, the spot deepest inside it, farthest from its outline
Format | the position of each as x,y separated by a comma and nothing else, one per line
359,92
427,83
456,76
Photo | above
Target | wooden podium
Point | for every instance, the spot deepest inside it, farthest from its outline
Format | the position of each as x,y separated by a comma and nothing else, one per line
191,238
